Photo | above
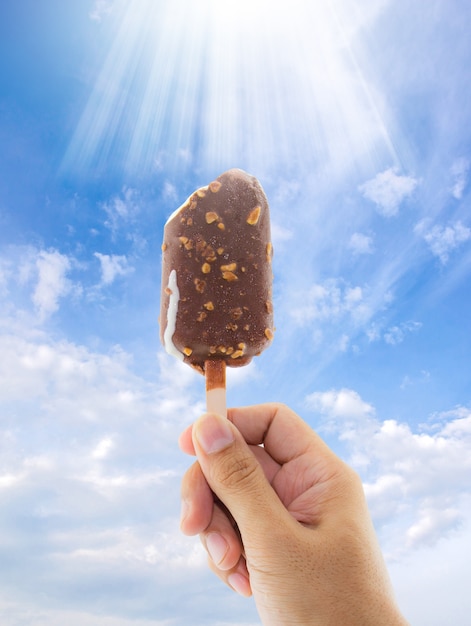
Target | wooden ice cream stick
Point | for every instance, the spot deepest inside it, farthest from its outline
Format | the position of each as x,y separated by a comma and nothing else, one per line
215,373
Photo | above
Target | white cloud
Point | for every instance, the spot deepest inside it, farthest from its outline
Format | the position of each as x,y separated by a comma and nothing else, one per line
442,240
286,191
396,334
388,190
393,335
33,282
112,266
421,378
336,314
103,448
343,343
100,10
458,427
431,525
169,191
459,172
331,300
361,244
121,210
344,407
344,403
5,273
280,234
53,284
432,583
185,155
90,459
415,482
19,613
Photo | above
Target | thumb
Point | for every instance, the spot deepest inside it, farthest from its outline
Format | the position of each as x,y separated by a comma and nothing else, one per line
236,477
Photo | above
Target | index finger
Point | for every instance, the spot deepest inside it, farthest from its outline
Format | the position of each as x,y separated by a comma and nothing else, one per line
284,435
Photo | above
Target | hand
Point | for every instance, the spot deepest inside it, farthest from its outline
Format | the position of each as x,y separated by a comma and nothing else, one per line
282,517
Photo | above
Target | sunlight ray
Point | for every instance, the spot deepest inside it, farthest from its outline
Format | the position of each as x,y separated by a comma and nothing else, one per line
214,83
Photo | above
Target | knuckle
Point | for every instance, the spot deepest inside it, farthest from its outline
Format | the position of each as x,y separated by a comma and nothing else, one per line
280,407
235,473
353,477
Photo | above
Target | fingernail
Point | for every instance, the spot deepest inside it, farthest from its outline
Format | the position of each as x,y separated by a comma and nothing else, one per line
239,583
213,433
216,546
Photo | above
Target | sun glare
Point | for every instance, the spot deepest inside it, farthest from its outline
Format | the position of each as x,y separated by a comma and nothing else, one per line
214,83
242,12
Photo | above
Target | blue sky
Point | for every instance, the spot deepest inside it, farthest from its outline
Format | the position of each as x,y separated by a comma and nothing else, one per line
355,118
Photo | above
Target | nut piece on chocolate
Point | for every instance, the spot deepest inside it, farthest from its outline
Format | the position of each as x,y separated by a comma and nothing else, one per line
216,274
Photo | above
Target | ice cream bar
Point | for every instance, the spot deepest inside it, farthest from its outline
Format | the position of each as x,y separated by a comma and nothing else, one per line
216,304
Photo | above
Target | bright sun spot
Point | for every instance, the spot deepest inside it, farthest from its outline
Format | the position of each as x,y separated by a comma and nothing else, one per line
212,80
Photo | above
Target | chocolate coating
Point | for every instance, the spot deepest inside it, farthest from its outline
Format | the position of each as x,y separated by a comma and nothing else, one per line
216,274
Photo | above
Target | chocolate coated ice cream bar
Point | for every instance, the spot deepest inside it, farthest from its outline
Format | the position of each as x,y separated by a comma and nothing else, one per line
216,303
